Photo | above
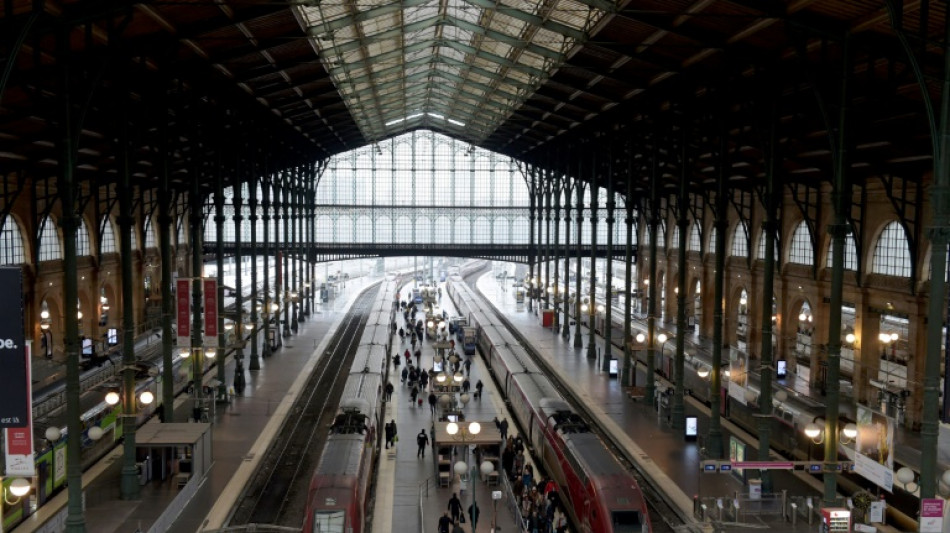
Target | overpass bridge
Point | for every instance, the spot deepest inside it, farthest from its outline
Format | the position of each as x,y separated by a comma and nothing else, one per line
329,251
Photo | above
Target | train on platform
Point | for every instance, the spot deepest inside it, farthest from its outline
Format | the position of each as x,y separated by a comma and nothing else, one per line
339,488
599,494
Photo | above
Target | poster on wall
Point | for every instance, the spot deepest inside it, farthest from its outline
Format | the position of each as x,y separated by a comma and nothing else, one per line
874,447
737,455
210,296
19,440
738,375
15,399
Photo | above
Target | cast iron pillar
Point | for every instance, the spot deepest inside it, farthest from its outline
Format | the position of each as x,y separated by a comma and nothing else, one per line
714,447
256,300
628,375
130,477
578,268
592,281
285,200
222,391
566,327
556,325
165,250
770,227
608,275
548,186
75,521
197,327
841,203
265,267
654,222
678,410
939,234
531,178
238,218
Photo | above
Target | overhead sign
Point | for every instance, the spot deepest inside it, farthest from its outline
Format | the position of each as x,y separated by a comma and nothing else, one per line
183,311
15,400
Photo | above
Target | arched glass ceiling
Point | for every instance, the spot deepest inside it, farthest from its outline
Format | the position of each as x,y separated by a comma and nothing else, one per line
452,65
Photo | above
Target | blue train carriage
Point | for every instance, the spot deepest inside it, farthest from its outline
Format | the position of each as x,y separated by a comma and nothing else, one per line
417,295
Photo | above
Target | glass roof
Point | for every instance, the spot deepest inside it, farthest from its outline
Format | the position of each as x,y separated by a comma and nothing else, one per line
446,64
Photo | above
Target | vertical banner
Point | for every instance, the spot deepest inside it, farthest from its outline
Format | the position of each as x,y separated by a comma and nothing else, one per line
874,457
183,311
19,452
210,286
15,401
738,375
279,272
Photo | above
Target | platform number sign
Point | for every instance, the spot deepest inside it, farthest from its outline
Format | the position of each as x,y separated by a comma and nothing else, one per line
14,396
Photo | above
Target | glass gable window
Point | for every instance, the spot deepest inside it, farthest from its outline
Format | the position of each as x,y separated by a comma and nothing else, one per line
801,251
50,248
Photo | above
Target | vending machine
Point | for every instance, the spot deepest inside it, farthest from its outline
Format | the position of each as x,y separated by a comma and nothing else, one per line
835,520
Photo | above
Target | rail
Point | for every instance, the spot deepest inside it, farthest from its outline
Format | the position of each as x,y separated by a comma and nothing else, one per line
424,487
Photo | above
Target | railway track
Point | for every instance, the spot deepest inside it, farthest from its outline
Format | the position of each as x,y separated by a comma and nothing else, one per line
278,492
663,516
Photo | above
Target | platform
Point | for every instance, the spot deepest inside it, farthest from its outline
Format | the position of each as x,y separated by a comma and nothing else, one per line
663,454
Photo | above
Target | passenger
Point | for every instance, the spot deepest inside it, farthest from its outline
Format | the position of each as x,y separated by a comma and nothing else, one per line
503,427
405,373
468,365
444,522
423,441
432,401
389,391
413,395
455,507
478,396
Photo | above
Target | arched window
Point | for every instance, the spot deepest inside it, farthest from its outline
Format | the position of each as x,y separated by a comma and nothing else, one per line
675,243
11,243
694,243
211,231
801,251
150,234
850,253
50,247
82,238
761,251
712,240
182,235
892,254
108,237
740,241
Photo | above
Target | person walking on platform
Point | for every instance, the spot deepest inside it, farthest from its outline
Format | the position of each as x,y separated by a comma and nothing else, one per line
473,515
405,373
422,440
413,395
468,366
432,401
478,393
457,528
503,428
455,507
444,522
390,430
389,391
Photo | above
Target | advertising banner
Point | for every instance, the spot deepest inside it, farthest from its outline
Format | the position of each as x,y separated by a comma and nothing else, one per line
738,375
210,296
931,515
19,452
874,447
15,401
183,311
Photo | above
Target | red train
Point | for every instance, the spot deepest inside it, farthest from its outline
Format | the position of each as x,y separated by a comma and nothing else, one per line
339,488
600,495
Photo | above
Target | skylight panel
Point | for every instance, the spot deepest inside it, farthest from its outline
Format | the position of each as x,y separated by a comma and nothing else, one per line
507,25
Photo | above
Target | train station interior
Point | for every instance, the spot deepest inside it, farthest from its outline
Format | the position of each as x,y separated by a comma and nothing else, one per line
717,229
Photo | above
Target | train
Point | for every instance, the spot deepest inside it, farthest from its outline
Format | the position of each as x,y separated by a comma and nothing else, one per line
599,494
338,495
